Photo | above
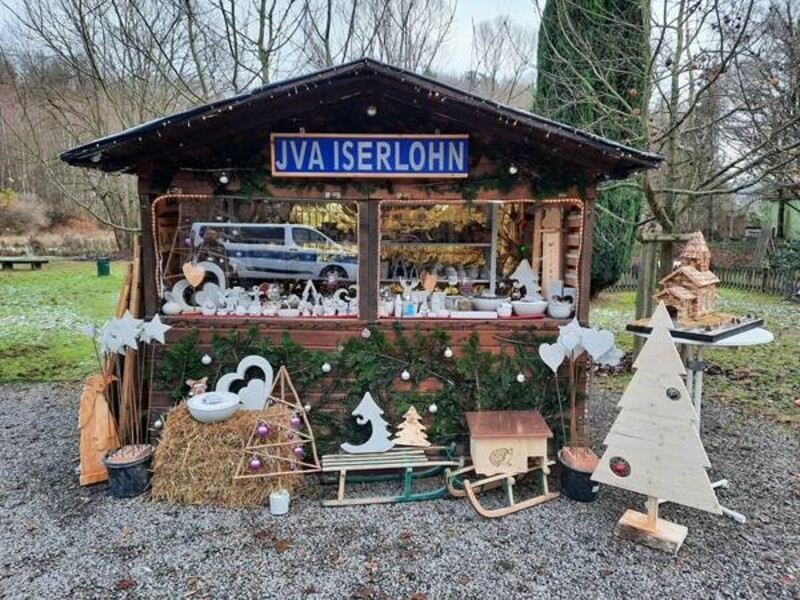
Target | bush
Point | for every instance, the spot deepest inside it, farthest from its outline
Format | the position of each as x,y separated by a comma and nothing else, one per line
21,213
786,255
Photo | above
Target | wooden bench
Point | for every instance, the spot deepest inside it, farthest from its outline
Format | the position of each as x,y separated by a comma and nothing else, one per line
405,460
35,263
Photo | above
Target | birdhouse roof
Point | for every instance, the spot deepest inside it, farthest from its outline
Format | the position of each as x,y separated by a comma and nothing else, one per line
678,291
695,277
696,247
507,424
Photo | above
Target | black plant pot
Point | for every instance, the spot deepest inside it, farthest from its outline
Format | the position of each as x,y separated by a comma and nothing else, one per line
130,478
576,484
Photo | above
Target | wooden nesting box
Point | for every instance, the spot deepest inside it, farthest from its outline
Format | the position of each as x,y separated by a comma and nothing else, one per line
501,442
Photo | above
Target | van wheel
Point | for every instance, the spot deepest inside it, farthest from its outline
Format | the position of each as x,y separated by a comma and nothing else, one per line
339,271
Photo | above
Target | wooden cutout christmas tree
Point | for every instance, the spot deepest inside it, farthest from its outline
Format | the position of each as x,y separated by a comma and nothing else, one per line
653,447
411,432
284,444
368,411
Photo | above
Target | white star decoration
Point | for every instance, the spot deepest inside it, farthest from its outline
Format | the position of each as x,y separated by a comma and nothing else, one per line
154,330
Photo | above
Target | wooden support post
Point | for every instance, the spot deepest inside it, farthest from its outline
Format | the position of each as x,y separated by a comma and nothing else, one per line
585,272
645,289
368,258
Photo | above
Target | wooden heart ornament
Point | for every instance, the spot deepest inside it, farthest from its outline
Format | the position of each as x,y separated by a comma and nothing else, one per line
428,281
194,273
552,355
597,342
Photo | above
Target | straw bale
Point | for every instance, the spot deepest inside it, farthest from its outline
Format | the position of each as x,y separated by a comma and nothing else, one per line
194,463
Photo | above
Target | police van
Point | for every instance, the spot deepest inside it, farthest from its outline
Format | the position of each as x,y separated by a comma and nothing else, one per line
283,251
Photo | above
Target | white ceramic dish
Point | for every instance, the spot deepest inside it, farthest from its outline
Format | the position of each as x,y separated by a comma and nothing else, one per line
488,302
524,308
212,407
559,310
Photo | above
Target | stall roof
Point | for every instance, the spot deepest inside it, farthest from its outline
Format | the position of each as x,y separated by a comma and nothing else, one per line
183,134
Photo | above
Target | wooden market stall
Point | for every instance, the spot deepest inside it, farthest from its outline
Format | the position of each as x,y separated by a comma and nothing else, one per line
406,202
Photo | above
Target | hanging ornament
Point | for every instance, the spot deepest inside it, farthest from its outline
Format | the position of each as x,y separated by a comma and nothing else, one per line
520,377
296,421
299,452
405,375
307,408
255,463
262,430
206,360
448,352
158,424
366,333
433,409
326,367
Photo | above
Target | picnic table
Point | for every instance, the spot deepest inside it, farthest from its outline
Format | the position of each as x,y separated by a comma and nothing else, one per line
34,261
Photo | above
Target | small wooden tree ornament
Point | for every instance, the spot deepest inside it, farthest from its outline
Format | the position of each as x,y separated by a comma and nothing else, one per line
265,454
411,432
653,447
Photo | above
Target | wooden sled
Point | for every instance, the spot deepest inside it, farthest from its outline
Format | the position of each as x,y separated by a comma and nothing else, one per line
404,460
472,489
504,446
434,452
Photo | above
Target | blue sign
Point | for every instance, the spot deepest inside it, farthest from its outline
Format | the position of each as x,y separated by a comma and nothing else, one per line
355,155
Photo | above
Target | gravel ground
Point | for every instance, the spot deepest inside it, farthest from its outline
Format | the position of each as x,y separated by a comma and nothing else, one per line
63,541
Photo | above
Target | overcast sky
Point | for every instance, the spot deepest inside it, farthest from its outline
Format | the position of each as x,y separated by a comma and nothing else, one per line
467,11
456,58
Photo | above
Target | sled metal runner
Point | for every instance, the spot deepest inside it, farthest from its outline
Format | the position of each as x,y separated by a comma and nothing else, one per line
411,463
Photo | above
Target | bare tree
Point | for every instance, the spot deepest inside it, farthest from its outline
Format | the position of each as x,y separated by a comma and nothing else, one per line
502,60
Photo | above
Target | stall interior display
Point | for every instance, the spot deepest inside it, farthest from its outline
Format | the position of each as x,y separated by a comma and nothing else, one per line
220,256
484,260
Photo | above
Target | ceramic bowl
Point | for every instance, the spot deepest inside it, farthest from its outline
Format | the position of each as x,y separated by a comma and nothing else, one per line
504,310
525,308
212,407
559,310
488,302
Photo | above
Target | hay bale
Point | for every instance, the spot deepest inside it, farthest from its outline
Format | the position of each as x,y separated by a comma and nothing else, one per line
195,462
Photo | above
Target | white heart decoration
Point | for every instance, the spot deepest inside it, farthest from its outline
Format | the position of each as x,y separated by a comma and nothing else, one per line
552,355
569,340
254,395
597,342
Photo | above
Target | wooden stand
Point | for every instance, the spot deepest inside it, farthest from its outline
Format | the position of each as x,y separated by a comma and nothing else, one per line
649,530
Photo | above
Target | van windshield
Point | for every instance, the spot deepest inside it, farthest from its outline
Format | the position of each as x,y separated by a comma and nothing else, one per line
308,238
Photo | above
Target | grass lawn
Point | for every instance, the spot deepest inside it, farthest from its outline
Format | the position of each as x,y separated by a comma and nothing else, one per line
764,378
40,312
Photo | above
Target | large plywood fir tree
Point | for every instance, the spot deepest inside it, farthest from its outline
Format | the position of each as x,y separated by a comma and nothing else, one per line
653,447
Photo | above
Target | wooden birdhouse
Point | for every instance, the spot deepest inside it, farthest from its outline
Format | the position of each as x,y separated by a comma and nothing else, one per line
690,291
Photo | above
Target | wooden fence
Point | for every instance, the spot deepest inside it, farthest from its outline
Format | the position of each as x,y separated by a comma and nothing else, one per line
780,282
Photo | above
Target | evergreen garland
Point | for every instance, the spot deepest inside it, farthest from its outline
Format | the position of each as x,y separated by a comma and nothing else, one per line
474,379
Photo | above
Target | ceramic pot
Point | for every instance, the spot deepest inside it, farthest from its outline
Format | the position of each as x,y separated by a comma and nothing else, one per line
279,502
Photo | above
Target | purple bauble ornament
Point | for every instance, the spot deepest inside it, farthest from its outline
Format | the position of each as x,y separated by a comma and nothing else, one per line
255,463
262,430
296,421
299,452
